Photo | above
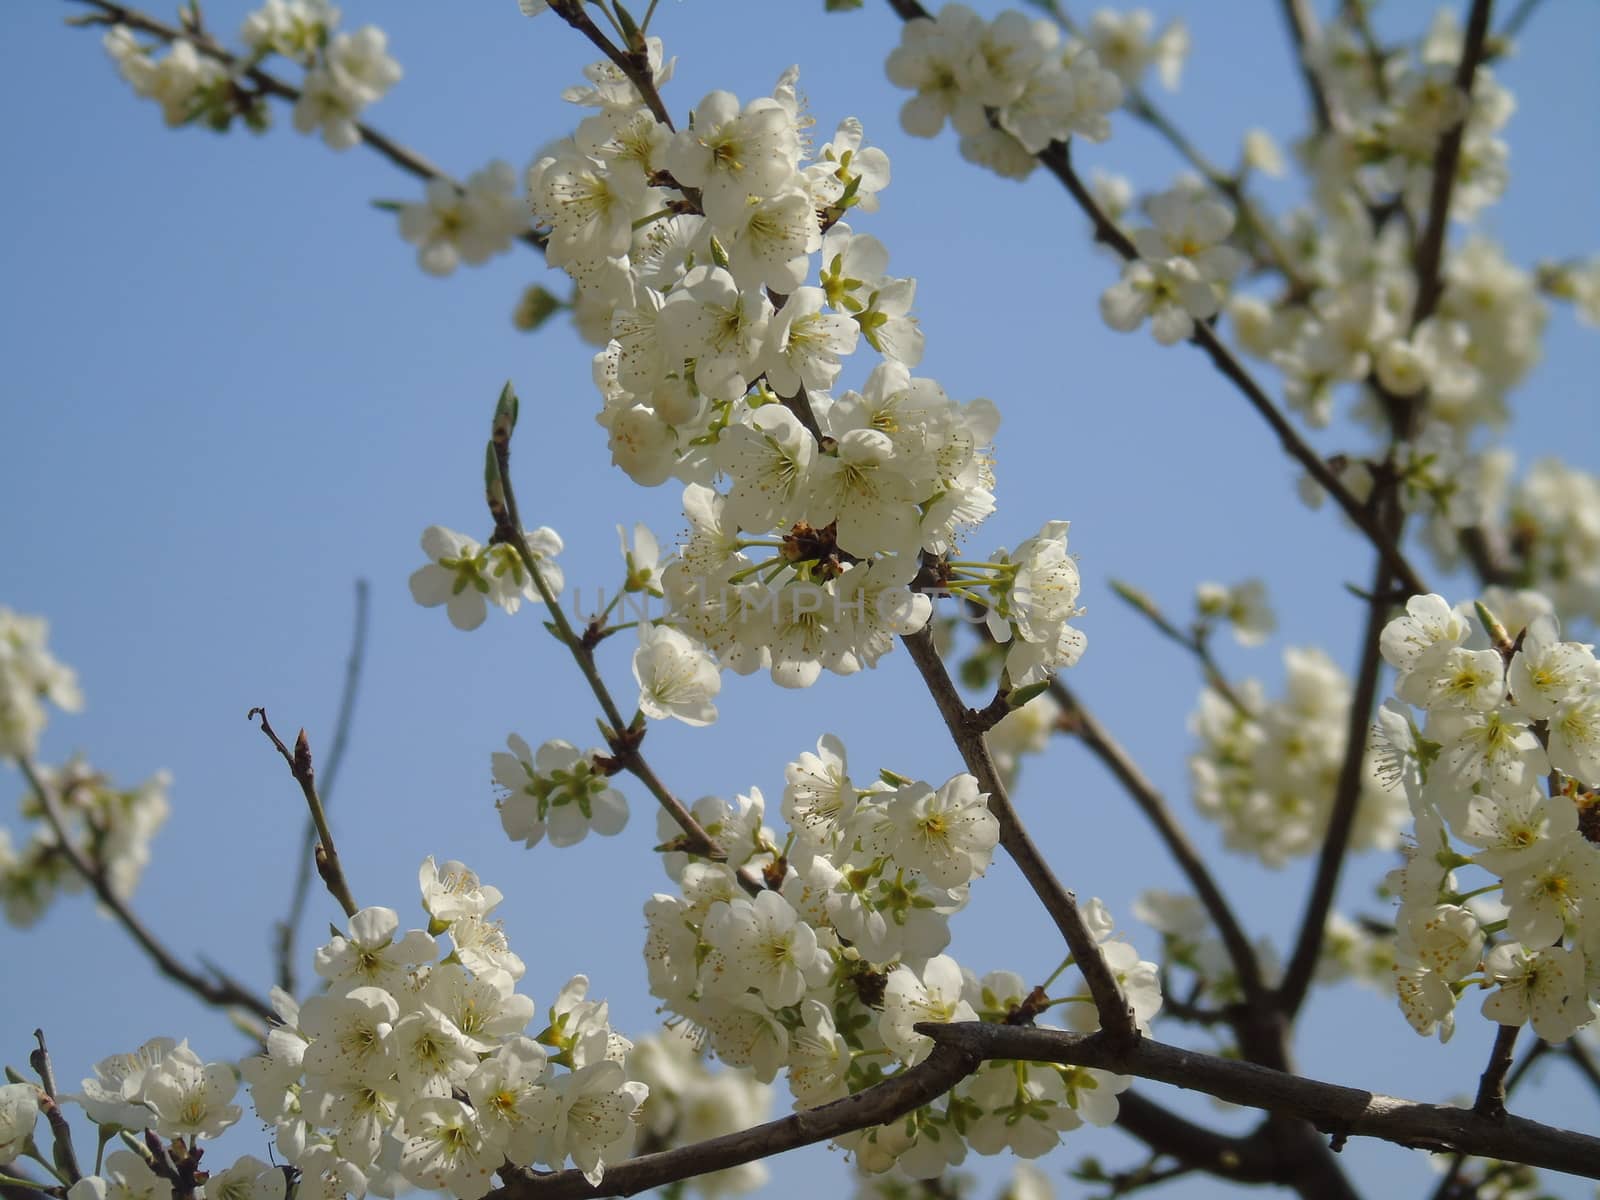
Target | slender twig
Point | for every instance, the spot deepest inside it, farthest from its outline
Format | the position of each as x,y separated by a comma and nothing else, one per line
1304,34
1430,246
408,160
1194,641
624,739
289,926
1115,1015
66,1158
326,854
1150,802
1346,798
1491,1100
1446,1189
1517,20
1579,1056
217,992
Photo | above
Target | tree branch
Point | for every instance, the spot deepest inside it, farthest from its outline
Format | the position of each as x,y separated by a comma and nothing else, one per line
1342,1112
221,993
1116,1018
289,926
881,1103
1491,1100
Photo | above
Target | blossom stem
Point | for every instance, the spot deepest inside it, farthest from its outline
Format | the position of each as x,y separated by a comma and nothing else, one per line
1491,1099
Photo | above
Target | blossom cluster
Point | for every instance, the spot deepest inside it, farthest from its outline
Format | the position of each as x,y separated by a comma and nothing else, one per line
413,1065
1267,770
1011,86
818,954
29,676
466,577
1504,766
713,265
344,72
108,825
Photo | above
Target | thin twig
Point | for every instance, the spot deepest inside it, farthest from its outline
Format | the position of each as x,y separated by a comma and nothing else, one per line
1430,246
633,62
1517,20
1304,34
408,160
624,739
326,855
1491,1101
1194,642
1346,798
290,925
1116,1018
66,1158
220,993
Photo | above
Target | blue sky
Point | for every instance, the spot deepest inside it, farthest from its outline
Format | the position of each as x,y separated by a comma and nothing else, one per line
231,393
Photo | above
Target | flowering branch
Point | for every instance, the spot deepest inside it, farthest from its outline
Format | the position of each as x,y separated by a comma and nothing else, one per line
634,62
966,730
268,84
623,737
1056,158
325,855
945,1067
222,993
1342,1112
341,739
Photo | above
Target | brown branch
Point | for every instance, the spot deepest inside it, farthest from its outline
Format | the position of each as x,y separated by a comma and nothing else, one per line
1491,1100
1150,802
326,855
1346,797
66,1158
633,62
1303,34
1342,1112
1116,1018
1430,247
624,738
408,160
881,1103
221,993
290,924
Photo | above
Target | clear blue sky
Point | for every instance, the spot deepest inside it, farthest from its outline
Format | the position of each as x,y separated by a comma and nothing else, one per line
231,392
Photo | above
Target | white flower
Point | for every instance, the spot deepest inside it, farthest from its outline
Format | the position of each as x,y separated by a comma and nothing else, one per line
190,1098
1244,606
370,956
1126,45
1545,986
454,891
936,996
349,1035
431,1055
248,1179
112,1096
19,1113
590,1114
732,154
1171,292
560,791
127,1177
949,835
456,578
762,944
819,799
504,1090
471,225
446,1149
676,677
1575,737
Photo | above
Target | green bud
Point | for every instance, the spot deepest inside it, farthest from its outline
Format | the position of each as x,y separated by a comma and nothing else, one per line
536,306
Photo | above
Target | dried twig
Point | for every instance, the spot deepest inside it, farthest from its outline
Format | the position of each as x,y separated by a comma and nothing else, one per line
326,855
